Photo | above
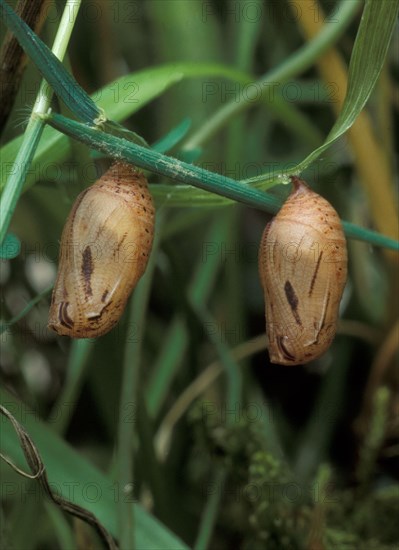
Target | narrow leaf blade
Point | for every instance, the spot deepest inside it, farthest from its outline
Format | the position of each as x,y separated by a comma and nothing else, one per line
368,56
63,84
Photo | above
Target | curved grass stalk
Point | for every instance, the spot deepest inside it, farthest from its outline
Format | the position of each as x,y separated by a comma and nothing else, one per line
15,182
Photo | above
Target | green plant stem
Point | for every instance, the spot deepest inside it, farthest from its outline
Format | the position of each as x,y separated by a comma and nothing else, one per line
78,362
176,339
167,166
230,366
374,438
210,512
15,182
318,433
63,462
7,324
156,475
62,528
48,63
129,391
294,65
194,175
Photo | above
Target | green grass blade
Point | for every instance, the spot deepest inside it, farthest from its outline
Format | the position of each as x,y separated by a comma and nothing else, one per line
369,52
177,196
315,442
187,173
294,65
15,182
31,138
62,528
232,370
166,365
163,165
78,363
129,395
211,511
67,469
119,100
173,137
63,84
176,339
6,325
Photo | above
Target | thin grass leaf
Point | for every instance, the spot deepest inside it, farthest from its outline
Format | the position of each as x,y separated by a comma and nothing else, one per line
294,65
118,130
369,52
231,369
199,177
15,182
172,137
33,133
166,365
178,196
190,155
176,339
5,326
314,441
64,465
61,526
38,470
63,84
77,367
368,56
119,100
211,511
129,395
163,165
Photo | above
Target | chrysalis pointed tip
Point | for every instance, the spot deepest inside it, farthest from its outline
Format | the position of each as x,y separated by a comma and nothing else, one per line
298,183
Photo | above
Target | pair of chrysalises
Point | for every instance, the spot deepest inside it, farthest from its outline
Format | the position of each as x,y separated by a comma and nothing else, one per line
107,240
